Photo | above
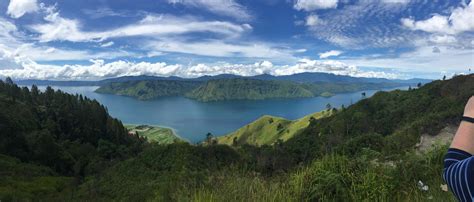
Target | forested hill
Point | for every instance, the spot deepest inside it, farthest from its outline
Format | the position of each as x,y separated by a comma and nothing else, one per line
146,90
234,89
388,122
69,134
252,89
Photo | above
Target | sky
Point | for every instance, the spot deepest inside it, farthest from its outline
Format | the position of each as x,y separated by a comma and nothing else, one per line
97,39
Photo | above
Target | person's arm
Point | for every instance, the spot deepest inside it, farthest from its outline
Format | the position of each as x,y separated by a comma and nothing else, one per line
464,138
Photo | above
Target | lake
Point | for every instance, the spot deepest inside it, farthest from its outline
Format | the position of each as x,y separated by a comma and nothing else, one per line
193,120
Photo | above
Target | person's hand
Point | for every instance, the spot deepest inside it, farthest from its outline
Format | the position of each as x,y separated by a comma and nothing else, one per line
469,110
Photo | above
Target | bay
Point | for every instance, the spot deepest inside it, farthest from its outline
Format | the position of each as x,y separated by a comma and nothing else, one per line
192,119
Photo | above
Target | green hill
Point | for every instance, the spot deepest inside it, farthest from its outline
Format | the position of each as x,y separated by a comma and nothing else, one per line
233,89
247,89
270,129
146,90
155,134
52,140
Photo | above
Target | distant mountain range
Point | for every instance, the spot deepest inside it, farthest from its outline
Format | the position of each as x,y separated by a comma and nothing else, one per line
300,78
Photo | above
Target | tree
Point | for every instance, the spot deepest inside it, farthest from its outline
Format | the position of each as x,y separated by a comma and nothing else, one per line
418,85
363,95
444,77
9,81
279,127
235,141
209,137
312,120
328,106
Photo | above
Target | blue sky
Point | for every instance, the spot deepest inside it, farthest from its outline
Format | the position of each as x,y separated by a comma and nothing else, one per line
95,39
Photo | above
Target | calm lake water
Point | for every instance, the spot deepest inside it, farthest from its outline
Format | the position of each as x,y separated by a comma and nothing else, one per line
193,120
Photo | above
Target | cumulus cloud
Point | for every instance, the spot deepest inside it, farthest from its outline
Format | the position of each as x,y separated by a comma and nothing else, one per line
221,7
312,20
58,28
311,5
18,8
460,20
98,69
330,54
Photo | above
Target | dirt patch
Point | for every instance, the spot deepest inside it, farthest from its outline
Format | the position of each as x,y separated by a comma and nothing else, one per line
445,136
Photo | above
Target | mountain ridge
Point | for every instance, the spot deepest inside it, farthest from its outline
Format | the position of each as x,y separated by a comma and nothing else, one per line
299,77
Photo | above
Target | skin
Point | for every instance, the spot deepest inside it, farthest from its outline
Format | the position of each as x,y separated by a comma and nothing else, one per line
464,138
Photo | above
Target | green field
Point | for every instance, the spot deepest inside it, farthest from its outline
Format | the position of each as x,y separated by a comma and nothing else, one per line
269,129
158,134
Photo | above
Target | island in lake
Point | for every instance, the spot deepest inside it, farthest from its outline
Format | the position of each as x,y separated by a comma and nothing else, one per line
222,87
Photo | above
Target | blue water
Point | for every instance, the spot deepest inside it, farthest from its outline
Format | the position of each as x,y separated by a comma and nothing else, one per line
193,120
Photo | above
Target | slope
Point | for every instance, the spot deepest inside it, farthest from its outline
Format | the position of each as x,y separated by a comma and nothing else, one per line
270,129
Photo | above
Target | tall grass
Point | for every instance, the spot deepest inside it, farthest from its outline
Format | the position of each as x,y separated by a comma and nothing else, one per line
332,178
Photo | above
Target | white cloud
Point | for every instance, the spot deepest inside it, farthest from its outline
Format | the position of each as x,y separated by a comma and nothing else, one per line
99,69
64,29
396,1
312,20
108,44
444,58
443,39
218,49
358,25
105,12
460,20
437,24
221,7
18,8
311,5
330,54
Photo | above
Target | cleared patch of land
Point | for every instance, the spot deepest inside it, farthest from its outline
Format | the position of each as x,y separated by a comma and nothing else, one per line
158,134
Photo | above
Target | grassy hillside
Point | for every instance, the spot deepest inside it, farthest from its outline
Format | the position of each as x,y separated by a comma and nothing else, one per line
146,90
269,130
155,134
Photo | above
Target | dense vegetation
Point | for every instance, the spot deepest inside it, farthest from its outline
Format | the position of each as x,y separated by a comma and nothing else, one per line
269,130
146,90
233,89
64,135
361,153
